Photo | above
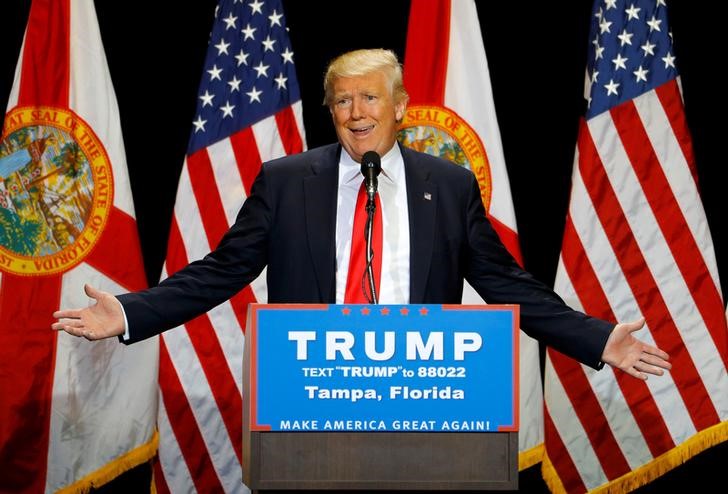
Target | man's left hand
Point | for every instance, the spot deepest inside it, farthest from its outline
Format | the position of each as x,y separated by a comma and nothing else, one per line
633,356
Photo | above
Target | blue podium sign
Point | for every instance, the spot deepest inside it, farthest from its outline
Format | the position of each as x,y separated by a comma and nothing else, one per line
443,368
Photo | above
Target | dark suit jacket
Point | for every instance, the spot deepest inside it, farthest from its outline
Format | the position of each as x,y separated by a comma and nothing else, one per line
289,224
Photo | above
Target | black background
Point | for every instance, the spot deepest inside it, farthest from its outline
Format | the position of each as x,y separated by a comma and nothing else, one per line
536,53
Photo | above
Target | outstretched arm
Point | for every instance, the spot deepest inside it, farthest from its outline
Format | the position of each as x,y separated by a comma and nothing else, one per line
631,355
104,319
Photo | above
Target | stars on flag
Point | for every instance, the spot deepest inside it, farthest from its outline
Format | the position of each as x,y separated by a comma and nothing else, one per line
281,81
619,62
275,19
625,38
631,50
256,7
632,13
611,87
207,98
214,73
234,84
268,44
242,58
262,70
254,95
199,124
248,72
230,21
227,110
640,74
249,32
222,47
654,24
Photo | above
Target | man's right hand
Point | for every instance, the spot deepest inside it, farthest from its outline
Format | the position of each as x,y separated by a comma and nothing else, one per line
104,319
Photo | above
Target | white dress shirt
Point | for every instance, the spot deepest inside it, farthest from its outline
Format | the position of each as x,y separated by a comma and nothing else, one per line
395,281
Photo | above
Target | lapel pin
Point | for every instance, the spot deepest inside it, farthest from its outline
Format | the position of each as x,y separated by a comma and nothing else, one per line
428,196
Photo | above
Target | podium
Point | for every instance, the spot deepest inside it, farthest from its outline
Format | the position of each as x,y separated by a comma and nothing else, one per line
368,398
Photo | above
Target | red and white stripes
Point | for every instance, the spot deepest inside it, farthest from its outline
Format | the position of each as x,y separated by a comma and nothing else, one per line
201,362
637,244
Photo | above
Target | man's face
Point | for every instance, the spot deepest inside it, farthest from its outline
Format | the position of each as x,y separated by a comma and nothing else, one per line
365,114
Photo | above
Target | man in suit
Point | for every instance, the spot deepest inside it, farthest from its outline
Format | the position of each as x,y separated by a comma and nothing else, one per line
298,222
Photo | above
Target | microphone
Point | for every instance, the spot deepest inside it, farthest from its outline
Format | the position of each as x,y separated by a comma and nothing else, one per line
371,166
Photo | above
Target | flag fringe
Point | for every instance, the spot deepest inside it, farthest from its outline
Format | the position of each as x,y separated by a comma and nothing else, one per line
530,457
648,472
113,469
550,476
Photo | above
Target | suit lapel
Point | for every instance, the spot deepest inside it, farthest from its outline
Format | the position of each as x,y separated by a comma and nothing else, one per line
422,203
320,191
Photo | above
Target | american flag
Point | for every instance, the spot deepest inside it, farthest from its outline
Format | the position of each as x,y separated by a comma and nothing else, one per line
248,112
636,243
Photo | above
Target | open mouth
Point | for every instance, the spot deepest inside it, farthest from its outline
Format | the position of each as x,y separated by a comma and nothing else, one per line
362,131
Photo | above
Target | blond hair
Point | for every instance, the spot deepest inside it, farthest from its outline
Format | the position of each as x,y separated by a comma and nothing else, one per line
358,63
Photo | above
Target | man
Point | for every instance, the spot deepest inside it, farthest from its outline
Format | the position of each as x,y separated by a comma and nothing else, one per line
298,222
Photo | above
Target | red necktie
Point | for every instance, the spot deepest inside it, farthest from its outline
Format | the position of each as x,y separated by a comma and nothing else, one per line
357,262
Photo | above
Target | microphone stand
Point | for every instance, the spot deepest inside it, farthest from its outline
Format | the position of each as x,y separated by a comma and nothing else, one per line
371,207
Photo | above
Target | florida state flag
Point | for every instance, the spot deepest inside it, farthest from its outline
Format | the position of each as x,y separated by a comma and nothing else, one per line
451,114
73,413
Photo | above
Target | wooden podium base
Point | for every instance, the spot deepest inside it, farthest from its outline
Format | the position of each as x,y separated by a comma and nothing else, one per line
376,461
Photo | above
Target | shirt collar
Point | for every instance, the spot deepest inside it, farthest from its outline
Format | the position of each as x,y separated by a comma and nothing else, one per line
392,166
